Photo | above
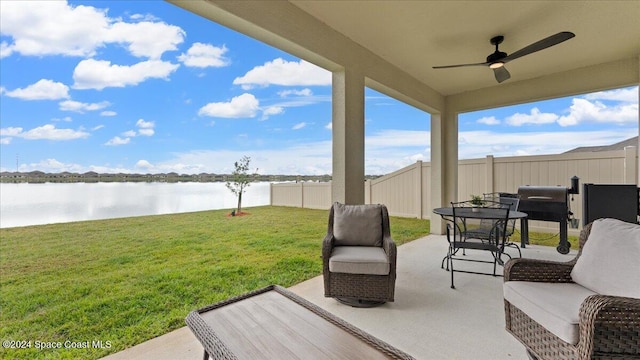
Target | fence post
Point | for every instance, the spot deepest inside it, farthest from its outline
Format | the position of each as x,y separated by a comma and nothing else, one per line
489,186
302,194
630,165
418,170
367,191
270,194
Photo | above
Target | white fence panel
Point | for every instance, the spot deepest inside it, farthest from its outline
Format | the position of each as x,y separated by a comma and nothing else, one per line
407,192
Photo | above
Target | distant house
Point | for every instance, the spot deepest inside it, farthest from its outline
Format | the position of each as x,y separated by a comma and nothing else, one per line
617,146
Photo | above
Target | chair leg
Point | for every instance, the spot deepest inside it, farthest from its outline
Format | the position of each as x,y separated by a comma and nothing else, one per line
514,245
451,261
495,264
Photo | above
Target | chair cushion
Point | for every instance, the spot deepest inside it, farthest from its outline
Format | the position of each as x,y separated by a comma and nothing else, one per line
555,306
357,225
359,260
609,262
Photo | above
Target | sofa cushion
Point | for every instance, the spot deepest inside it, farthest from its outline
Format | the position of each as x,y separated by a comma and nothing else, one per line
609,262
357,225
555,306
359,260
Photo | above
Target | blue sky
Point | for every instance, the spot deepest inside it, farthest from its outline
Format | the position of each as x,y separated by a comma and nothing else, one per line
146,87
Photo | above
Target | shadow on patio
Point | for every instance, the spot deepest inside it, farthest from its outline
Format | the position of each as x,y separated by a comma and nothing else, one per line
428,319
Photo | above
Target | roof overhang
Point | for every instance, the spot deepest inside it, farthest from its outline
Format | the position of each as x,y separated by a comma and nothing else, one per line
395,44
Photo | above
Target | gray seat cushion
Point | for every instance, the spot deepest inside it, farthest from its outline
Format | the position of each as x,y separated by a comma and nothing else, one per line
357,225
609,262
555,306
359,260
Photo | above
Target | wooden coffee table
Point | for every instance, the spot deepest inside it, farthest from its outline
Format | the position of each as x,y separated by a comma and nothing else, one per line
274,323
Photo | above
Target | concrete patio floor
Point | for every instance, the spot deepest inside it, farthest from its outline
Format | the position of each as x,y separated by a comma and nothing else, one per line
428,319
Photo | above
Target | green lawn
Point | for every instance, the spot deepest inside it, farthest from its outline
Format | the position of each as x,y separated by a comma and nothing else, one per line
546,239
124,281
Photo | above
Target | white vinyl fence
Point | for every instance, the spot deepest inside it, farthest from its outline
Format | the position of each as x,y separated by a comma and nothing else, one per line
406,192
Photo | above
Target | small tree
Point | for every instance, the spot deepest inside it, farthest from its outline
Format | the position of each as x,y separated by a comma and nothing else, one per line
240,179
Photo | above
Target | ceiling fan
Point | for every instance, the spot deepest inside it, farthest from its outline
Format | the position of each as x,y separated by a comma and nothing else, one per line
498,59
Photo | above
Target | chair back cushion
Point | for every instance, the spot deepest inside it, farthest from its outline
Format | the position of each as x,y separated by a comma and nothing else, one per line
609,263
357,225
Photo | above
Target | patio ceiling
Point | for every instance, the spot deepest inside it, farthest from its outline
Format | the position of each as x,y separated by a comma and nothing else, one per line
417,35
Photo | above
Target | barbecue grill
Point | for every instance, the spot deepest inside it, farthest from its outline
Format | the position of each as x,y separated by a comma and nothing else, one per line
547,203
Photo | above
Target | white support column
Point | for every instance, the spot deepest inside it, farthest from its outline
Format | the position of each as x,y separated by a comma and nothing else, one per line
348,137
444,165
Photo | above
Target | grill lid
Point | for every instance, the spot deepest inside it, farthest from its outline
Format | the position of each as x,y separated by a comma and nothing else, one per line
543,193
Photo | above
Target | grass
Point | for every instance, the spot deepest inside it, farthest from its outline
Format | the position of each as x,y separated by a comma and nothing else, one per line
545,239
124,281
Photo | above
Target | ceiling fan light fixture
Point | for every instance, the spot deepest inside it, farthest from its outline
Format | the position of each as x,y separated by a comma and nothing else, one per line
496,65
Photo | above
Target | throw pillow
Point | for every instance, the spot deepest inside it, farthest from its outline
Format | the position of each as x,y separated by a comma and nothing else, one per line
610,260
357,225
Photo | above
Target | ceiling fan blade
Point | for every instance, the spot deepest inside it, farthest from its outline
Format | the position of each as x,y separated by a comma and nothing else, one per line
460,65
540,45
501,74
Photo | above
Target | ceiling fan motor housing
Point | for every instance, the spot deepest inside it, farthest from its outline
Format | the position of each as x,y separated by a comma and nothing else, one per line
497,55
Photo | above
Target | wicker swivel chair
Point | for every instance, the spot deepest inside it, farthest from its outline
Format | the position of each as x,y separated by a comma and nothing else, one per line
559,313
359,255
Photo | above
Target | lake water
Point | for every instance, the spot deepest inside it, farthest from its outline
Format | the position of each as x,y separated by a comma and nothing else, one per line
35,204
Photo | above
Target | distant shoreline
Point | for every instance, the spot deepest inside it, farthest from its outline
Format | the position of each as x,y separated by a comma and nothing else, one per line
39,177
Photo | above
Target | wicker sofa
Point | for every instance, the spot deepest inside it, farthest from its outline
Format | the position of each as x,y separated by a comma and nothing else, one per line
359,255
587,308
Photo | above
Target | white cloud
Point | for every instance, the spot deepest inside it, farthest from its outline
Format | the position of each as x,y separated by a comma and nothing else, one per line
534,118
618,106
145,128
51,165
488,120
478,144
117,140
242,106
204,55
144,164
52,28
285,73
625,95
270,111
143,17
146,39
80,107
44,89
5,50
45,132
303,92
99,74
65,119
57,28
108,113
583,110
96,128
299,126
5,141
329,126
11,131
